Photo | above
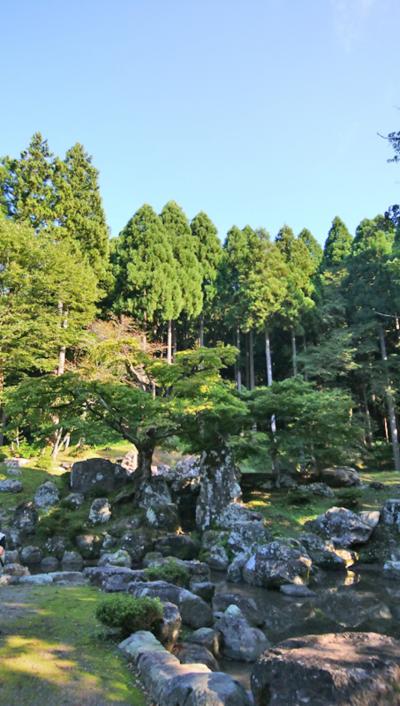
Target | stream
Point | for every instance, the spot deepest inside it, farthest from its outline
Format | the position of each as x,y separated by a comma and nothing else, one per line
352,601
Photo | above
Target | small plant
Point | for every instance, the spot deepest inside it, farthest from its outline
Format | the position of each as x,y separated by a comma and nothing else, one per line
349,498
170,571
298,496
130,614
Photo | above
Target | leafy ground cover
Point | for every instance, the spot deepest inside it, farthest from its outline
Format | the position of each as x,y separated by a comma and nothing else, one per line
52,652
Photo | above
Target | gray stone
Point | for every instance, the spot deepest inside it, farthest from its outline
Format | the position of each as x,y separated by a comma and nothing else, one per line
49,564
17,570
10,486
235,514
391,569
155,493
56,545
320,489
247,606
188,652
46,495
340,477
342,526
194,611
74,500
100,511
97,474
370,517
219,487
100,575
25,518
179,545
235,568
119,558
137,542
69,578
324,553
16,462
89,545
12,556
347,669
36,579
204,589
213,689
171,625
208,637
71,561
240,641
31,555
163,516
391,513
278,563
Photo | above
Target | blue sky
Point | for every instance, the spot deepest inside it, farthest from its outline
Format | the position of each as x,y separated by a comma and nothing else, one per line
256,111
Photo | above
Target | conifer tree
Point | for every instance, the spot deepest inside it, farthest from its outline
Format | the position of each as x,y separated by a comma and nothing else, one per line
146,281
209,253
188,299
313,246
338,244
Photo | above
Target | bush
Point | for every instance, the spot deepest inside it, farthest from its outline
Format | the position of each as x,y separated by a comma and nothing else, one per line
349,498
170,571
298,496
130,614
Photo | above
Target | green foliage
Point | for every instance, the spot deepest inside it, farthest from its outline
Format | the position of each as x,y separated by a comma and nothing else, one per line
338,244
298,497
350,498
169,571
208,252
130,614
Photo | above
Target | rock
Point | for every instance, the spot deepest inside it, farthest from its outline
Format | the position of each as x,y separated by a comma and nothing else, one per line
10,486
343,527
130,461
204,589
15,462
187,653
247,537
89,545
155,493
219,486
12,556
278,563
194,611
14,538
217,558
171,625
74,500
6,580
56,545
137,542
185,488
31,555
296,591
197,570
348,669
340,477
247,606
352,610
235,568
17,570
213,689
324,554
391,513
101,575
71,561
25,518
119,558
179,545
49,564
209,638
100,511
117,583
391,569
240,641
235,514
69,578
46,495
370,517
97,474
320,489
163,517
152,559
377,485
37,579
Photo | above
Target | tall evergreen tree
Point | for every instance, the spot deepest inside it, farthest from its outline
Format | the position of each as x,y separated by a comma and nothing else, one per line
189,297
313,246
209,253
338,244
146,281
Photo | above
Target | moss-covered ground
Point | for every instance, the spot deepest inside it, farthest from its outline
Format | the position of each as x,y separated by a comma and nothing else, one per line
52,652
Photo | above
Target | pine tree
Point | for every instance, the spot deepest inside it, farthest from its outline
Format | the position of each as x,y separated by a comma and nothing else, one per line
313,246
338,244
146,281
79,207
209,253
189,297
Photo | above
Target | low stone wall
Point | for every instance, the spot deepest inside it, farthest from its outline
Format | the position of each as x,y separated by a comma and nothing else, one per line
167,681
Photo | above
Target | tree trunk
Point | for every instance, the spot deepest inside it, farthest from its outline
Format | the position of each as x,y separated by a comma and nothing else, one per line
201,331
390,403
268,359
238,362
294,352
169,342
142,475
62,352
369,434
251,361
386,429
174,341
246,338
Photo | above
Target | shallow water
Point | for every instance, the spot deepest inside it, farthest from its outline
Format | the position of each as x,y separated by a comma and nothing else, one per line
352,601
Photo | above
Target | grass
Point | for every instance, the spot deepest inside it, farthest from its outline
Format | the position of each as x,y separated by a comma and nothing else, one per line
31,478
51,652
288,520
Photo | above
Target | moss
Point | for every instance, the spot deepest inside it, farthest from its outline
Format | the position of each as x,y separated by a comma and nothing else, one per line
169,571
49,652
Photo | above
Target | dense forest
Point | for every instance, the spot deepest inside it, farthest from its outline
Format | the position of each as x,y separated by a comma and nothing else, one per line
287,351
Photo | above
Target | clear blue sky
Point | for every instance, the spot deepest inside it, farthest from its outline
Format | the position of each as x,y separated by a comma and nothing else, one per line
256,111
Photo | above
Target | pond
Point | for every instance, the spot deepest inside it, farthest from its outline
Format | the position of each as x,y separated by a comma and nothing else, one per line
359,600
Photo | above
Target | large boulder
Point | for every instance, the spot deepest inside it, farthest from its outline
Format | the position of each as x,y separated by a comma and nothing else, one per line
348,669
163,516
390,514
342,526
89,545
97,474
211,689
215,550
10,486
31,555
209,638
73,501
194,611
47,495
137,542
100,511
278,563
171,624
340,477
240,641
324,554
189,652
101,576
179,545
71,561
118,558
246,605
155,493
219,487
25,518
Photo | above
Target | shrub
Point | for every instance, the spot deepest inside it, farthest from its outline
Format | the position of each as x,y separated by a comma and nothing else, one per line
170,571
298,496
349,498
130,614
